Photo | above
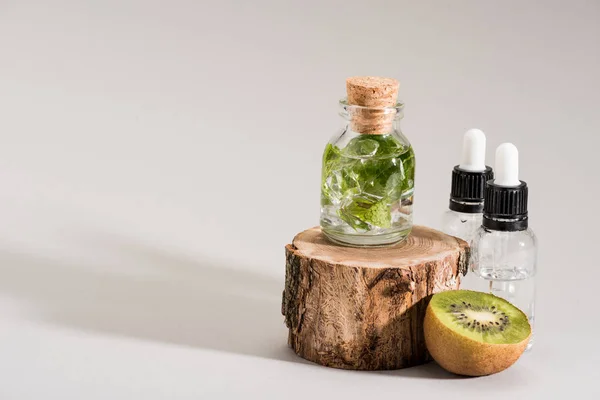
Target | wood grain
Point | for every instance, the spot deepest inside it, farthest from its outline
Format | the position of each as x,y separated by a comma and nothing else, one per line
363,308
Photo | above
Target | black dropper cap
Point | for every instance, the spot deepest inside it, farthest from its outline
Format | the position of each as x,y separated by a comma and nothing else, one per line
505,207
506,197
467,193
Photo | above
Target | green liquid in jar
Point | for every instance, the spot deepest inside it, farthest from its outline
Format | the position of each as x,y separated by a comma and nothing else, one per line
367,186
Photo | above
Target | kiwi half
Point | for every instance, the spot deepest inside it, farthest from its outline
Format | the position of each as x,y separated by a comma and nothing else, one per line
473,333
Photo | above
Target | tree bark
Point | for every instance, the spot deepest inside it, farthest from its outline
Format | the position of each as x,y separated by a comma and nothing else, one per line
363,308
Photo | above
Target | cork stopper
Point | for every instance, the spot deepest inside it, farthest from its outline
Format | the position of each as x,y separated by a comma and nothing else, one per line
380,95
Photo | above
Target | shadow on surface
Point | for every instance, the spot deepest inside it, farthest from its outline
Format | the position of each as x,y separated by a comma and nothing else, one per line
426,371
167,298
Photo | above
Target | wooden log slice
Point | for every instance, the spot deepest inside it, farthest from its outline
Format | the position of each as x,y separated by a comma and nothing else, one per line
363,308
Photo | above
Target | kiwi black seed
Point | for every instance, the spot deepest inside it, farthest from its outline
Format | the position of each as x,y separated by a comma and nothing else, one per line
498,320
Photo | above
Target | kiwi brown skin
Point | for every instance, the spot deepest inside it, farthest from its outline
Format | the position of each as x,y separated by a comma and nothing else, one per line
464,356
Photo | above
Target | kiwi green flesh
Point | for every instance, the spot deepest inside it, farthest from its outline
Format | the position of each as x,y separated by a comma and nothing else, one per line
480,316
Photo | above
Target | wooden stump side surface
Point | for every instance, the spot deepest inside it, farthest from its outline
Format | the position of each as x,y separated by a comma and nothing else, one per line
363,308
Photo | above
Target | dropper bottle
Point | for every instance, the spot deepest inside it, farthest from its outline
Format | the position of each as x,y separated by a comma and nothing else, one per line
464,216
504,248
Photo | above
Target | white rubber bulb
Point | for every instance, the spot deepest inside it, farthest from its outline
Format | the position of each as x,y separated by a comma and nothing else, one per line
473,156
507,165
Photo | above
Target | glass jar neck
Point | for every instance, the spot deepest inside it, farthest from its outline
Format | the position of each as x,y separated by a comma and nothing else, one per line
370,120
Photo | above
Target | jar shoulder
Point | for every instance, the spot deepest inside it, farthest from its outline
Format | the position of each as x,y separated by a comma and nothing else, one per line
345,137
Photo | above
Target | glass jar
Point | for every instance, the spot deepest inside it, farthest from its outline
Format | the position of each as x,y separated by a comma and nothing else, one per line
504,263
367,179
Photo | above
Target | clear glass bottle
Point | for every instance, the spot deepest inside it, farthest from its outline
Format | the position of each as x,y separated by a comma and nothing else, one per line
367,181
465,212
504,249
461,224
505,263
464,226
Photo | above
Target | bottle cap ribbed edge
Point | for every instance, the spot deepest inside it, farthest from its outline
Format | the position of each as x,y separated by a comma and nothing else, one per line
505,208
468,187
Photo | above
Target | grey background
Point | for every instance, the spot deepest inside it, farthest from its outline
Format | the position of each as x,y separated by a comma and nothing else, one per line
155,157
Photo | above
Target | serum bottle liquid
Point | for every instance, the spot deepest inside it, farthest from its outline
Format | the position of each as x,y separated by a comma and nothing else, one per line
504,249
468,182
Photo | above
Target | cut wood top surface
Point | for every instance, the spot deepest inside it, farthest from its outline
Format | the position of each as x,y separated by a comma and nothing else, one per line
423,245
